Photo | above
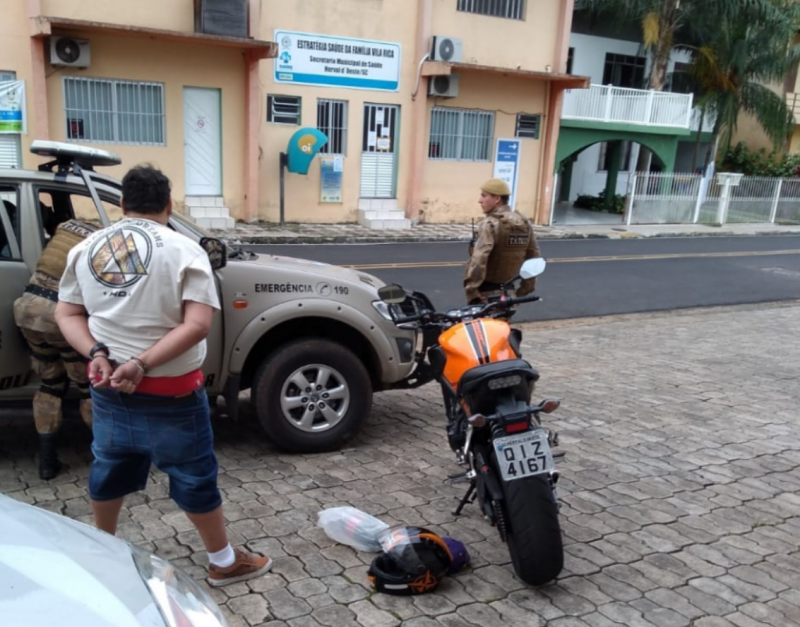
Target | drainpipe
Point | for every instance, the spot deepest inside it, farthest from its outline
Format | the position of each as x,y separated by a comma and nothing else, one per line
419,112
554,101
252,120
38,89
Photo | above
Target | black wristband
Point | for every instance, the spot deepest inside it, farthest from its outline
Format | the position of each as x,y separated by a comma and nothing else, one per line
97,348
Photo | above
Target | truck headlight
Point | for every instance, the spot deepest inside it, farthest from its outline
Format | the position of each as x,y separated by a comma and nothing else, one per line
180,599
386,310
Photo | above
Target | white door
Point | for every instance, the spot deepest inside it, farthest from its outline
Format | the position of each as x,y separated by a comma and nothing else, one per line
379,151
10,156
202,141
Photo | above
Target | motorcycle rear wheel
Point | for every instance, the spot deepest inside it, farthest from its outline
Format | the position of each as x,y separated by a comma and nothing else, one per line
534,533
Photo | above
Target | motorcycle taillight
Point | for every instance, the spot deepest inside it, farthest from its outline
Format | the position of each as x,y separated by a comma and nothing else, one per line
517,427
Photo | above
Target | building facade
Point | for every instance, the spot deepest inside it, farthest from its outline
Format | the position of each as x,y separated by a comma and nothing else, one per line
605,127
420,99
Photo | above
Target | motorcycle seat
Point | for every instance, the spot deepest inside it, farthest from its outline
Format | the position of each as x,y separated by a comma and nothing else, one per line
475,377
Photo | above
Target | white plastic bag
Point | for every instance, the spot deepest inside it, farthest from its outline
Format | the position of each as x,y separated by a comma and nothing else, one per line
352,527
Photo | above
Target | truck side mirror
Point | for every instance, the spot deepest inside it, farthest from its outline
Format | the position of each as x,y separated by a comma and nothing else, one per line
217,251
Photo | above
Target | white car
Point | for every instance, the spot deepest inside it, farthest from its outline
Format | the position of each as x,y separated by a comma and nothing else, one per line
58,571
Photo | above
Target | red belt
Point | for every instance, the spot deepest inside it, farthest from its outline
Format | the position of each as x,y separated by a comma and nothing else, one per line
171,386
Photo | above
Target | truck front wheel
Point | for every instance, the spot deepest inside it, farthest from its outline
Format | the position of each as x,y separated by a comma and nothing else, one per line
312,396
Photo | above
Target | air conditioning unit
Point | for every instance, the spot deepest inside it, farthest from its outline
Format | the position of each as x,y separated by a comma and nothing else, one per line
227,18
443,86
446,49
69,52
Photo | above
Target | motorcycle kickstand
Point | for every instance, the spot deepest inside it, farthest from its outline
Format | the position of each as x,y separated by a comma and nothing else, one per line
469,497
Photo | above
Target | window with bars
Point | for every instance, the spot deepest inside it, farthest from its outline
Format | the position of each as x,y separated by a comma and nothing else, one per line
461,134
332,120
114,111
511,9
284,110
528,125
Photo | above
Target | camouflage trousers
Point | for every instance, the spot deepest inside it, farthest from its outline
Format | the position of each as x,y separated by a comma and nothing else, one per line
56,363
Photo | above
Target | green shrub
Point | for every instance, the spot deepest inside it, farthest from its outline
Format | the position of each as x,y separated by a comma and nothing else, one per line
598,203
741,159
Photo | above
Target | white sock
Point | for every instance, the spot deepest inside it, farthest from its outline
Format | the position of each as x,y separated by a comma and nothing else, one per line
223,558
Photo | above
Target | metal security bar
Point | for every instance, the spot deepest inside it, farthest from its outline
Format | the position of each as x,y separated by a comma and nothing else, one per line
114,111
674,198
332,120
511,9
461,134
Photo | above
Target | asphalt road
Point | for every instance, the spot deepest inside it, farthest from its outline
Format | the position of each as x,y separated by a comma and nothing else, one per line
594,277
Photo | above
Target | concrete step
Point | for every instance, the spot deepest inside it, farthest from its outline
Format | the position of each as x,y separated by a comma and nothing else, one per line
204,201
208,212
384,220
377,204
216,223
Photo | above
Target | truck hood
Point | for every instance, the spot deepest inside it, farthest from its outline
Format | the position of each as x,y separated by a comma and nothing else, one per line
57,571
313,269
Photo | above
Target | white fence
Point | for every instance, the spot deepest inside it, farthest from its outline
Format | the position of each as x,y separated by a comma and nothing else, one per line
675,198
605,103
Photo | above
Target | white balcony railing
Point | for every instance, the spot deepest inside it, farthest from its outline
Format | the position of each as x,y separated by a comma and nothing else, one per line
605,103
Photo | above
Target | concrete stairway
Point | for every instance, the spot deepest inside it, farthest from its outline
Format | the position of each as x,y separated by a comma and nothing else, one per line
209,212
382,214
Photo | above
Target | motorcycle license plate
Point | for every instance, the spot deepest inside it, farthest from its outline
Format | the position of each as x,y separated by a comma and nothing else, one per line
524,455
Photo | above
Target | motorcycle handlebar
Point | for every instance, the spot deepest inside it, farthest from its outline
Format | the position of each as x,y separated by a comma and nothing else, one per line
438,317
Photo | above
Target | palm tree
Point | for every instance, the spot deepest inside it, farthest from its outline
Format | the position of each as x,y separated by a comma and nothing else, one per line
735,62
662,20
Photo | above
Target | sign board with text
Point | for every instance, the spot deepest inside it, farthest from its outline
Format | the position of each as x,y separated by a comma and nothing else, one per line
312,59
12,107
506,165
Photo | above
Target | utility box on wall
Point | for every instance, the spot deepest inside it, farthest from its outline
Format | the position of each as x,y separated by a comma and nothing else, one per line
226,18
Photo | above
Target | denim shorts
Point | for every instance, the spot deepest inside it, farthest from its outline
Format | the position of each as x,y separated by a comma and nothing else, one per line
131,431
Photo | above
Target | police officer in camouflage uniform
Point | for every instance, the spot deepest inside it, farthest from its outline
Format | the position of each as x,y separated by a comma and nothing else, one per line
505,239
53,359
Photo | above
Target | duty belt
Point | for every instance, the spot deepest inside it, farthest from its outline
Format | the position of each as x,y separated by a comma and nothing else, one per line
487,286
42,291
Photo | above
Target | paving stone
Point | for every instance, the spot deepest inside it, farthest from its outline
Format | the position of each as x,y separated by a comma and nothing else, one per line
284,605
367,614
252,607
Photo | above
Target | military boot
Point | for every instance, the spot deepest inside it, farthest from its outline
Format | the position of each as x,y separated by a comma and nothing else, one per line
49,464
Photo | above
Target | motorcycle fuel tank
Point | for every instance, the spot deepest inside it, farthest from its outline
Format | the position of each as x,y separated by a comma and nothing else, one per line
470,344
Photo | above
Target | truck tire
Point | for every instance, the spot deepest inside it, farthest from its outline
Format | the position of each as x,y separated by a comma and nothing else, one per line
534,533
312,395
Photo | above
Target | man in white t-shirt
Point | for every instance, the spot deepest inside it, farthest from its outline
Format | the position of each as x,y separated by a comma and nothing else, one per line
150,296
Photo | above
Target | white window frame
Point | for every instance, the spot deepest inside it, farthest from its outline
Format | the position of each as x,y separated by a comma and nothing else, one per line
330,129
459,135
115,112
271,112
507,9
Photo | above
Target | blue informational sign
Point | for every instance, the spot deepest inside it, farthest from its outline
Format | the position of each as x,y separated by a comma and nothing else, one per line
303,147
331,178
506,164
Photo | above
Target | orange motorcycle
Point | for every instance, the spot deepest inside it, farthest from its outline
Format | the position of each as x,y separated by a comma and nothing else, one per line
492,427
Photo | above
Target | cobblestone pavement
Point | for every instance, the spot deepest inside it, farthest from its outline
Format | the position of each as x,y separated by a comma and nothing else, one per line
681,489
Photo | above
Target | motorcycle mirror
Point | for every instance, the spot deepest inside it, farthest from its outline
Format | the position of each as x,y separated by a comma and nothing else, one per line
532,268
392,294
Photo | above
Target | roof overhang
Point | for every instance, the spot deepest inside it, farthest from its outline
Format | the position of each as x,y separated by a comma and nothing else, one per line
565,81
44,25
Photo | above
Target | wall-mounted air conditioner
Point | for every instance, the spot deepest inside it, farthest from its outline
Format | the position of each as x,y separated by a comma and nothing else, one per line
444,86
446,49
69,52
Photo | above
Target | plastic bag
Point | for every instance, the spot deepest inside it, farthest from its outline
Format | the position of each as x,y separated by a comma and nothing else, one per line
352,527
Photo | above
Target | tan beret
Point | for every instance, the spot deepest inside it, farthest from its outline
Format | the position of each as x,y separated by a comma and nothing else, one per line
496,187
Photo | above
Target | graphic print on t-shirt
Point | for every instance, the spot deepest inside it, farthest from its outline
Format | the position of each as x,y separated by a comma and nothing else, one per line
121,258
